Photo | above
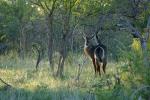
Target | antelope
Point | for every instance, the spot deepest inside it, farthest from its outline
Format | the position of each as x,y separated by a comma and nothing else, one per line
97,52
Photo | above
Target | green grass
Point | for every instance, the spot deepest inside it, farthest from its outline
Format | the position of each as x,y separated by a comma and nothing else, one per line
31,85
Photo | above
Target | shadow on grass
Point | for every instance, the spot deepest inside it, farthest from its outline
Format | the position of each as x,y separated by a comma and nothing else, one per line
43,93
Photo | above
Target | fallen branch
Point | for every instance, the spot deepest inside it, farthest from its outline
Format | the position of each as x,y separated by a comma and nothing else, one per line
8,85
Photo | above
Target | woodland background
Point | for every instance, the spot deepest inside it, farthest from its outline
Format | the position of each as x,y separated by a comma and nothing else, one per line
41,49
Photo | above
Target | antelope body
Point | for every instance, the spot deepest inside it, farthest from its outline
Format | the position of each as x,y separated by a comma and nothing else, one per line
97,52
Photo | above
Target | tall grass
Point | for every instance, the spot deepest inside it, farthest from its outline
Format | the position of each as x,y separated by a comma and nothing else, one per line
29,84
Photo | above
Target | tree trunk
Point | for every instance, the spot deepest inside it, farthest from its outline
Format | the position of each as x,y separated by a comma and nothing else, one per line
63,47
50,41
60,70
63,55
22,42
65,40
40,52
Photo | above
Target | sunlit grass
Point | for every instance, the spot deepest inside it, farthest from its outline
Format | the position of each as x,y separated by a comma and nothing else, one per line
30,84
23,74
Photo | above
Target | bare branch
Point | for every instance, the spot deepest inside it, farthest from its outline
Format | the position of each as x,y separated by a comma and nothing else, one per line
35,3
5,82
39,3
45,3
53,7
73,4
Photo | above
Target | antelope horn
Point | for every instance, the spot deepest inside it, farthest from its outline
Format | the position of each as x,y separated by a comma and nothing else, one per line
84,35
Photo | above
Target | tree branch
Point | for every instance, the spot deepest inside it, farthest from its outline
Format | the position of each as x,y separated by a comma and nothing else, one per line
53,7
45,3
73,4
5,82
39,3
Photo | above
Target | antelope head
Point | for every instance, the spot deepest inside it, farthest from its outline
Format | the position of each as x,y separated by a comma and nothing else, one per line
91,40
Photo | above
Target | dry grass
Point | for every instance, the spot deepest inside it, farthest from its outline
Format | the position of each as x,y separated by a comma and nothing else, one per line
31,85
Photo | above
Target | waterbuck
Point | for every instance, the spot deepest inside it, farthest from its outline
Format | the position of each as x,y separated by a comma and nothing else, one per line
97,52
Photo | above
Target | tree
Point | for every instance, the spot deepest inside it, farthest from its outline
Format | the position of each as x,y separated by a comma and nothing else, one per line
23,12
48,6
67,6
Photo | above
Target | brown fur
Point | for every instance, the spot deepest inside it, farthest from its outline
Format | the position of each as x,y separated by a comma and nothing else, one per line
95,52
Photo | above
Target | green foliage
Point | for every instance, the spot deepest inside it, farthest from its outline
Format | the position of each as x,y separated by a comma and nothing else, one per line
138,73
29,18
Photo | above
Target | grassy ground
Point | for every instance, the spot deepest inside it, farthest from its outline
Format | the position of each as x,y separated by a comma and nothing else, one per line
31,85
